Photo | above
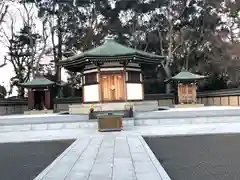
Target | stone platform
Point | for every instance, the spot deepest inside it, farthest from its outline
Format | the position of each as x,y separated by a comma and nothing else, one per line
33,112
174,116
118,106
85,108
188,105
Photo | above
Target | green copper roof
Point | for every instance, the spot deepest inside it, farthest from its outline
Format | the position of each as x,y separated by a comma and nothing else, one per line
112,49
38,81
185,75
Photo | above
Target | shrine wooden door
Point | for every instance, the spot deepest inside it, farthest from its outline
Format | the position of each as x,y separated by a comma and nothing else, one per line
187,93
112,87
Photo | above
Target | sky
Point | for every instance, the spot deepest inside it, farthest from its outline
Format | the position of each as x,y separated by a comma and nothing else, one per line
7,71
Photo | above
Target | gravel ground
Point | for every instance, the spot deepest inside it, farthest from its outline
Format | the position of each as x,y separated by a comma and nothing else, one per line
200,157
24,161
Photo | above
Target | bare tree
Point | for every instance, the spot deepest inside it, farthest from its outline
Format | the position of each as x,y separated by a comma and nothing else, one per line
38,40
43,48
3,10
21,49
28,21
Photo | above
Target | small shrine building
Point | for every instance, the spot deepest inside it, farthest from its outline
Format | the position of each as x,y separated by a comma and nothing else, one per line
187,86
41,93
111,72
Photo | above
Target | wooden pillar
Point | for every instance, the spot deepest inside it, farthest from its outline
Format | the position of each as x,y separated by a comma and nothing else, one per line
194,92
83,83
30,99
99,80
48,99
125,81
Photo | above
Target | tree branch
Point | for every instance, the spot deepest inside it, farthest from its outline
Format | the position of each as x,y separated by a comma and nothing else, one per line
3,12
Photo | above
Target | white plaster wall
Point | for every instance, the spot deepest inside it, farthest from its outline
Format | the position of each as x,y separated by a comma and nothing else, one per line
134,91
91,93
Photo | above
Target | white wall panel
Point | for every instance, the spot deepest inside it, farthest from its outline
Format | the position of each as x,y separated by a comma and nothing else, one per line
91,93
134,91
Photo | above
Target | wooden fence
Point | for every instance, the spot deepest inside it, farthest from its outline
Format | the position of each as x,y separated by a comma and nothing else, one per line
229,97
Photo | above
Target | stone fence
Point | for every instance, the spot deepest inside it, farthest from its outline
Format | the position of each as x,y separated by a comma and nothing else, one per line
61,104
13,106
227,97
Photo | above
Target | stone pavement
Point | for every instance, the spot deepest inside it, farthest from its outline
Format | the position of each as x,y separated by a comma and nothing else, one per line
111,155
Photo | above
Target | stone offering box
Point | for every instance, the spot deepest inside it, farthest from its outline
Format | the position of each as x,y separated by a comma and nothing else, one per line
110,122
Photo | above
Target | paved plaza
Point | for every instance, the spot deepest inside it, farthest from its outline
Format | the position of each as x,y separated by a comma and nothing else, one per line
109,155
200,157
26,160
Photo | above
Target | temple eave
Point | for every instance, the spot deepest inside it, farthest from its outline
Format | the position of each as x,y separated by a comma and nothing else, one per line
73,64
36,86
132,57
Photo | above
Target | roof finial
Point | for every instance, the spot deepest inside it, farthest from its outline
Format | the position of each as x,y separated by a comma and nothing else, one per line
183,69
109,37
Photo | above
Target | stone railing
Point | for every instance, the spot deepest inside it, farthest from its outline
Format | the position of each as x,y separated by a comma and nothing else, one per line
163,99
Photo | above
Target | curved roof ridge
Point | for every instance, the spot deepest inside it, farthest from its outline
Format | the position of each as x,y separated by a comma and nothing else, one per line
111,48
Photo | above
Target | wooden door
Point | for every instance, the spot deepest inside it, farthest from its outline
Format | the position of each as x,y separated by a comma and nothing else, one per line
187,93
112,87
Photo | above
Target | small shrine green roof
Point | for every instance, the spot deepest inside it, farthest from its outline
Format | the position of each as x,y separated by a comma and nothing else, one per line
187,76
38,82
111,50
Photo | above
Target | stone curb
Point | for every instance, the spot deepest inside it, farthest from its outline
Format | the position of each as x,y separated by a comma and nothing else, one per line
49,120
187,114
183,121
57,126
163,174
49,167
